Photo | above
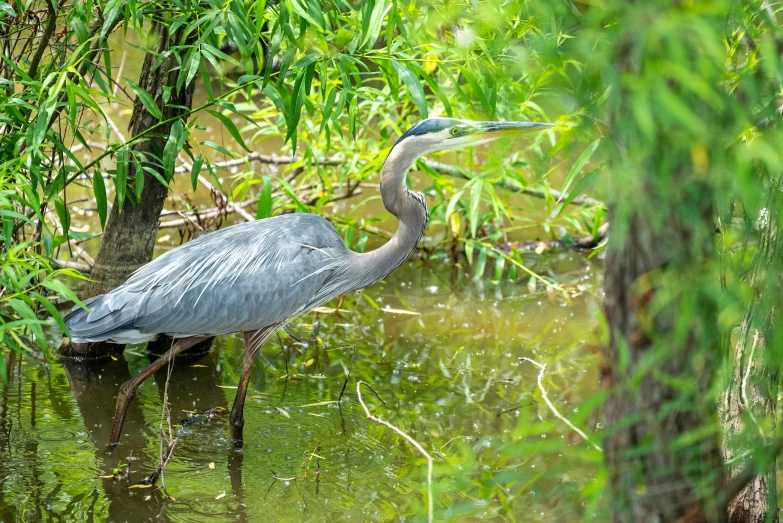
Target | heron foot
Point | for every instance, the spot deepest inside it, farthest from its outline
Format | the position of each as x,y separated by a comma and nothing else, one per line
128,389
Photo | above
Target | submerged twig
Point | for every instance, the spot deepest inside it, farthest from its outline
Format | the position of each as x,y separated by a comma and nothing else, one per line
295,478
347,376
408,438
512,409
282,351
164,457
542,370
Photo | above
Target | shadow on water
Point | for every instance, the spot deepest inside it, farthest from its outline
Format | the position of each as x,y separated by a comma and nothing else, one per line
441,349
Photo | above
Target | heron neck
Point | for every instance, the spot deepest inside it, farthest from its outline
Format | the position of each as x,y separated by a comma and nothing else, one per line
409,211
394,191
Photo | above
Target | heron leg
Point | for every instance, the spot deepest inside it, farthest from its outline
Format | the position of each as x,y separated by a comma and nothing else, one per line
253,341
128,389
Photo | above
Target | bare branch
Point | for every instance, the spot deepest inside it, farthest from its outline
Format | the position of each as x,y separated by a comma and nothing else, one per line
457,172
81,267
231,208
442,168
166,438
406,437
271,159
542,370
119,73
81,253
51,23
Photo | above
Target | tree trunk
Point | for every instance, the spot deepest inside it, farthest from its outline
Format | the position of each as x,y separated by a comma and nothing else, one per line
749,404
662,353
658,376
130,234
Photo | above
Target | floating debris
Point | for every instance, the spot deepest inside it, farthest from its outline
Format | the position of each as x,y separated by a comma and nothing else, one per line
195,418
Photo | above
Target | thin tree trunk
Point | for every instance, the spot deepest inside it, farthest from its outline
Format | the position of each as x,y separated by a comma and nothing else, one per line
662,446
129,238
749,404
658,377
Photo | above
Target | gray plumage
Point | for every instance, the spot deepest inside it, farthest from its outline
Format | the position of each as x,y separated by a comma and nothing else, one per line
257,274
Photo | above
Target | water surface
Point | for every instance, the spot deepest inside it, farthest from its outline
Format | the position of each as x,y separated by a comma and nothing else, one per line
448,370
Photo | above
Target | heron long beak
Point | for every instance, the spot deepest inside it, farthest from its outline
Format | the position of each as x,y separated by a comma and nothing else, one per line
498,129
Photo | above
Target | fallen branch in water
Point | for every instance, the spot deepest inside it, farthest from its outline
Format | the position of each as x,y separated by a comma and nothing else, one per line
442,168
405,436
222,200
377,231
542,370
81,253
584,242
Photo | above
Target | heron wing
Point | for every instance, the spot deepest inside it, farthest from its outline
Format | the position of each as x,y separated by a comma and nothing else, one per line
240,278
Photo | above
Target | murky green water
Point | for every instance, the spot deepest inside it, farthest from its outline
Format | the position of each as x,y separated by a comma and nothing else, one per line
450,376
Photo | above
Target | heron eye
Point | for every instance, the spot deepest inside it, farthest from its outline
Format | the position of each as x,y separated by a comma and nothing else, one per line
455,131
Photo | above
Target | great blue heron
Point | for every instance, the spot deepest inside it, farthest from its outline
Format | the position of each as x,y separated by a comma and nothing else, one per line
255,277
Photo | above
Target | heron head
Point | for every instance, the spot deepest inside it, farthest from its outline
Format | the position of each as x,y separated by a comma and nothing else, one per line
440,134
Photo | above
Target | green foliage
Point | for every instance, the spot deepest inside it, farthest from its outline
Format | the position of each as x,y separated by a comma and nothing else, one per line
29,286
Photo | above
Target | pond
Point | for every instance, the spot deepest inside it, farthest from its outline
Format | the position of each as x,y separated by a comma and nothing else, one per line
441,348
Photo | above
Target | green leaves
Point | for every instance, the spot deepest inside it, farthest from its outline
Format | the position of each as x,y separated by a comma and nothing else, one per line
373,12
121,177
63,214
579,164
195,170
475,201
99,190
298,96
111,12
583,183
414,87
145,98
174,144
232,129
192,62
24,275
264,209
